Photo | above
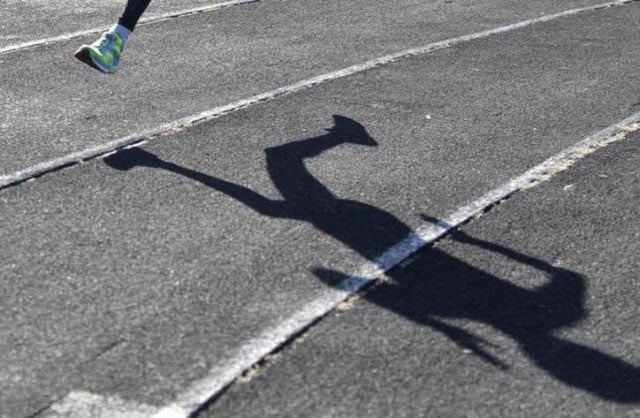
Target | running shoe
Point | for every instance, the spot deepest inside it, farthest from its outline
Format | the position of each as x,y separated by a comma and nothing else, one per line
104,54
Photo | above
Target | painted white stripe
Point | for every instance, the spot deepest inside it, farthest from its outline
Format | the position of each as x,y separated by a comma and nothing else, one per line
80,404
254,350
208,115
144,21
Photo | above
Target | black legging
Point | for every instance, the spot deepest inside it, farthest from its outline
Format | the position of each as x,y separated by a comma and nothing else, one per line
132,13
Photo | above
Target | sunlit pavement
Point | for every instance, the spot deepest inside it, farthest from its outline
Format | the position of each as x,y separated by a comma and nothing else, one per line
200,270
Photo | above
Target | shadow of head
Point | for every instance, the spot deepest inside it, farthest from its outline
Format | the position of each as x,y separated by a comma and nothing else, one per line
350,131
132,157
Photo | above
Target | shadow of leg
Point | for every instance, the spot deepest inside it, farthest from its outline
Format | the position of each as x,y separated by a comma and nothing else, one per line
586,368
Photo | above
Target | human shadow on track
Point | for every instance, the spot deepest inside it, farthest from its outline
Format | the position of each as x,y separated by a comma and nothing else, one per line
436,285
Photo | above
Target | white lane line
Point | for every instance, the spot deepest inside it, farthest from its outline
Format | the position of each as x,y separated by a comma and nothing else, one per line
144,21
208,115
255,349
76,404
80,404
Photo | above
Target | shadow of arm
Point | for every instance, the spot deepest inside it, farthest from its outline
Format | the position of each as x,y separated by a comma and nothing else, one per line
465,340
248,197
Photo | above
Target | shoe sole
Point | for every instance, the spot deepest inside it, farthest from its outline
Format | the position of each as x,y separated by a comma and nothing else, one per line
84,56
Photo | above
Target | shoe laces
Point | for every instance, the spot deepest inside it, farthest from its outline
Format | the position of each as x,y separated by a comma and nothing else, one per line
107,42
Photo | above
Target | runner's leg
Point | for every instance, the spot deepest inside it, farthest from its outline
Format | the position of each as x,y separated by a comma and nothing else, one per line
105,54
132,12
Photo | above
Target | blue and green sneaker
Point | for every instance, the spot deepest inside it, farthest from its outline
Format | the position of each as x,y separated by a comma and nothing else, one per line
104,54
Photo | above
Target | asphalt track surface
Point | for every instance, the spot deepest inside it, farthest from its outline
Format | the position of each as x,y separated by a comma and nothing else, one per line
132,281
501,318
227,56
26,21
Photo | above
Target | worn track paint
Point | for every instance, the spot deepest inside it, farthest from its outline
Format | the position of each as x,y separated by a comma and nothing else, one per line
178,125
251,352
36,43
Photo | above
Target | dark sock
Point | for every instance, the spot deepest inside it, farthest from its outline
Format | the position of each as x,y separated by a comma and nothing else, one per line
132,13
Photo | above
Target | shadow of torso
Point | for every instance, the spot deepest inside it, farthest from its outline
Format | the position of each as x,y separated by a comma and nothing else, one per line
438,285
